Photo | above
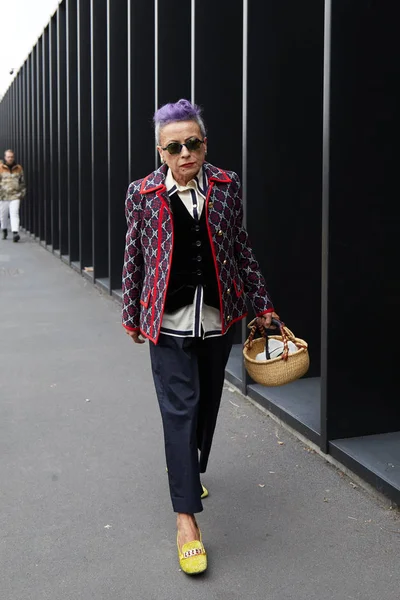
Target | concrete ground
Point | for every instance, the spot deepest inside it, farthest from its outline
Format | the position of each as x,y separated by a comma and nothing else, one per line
84,505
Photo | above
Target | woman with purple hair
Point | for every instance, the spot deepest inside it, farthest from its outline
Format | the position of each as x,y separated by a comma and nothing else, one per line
188,271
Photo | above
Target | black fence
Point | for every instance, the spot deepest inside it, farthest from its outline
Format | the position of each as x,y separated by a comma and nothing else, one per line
300,100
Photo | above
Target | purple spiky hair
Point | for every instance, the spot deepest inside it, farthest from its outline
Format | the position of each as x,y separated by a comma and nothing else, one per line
183,110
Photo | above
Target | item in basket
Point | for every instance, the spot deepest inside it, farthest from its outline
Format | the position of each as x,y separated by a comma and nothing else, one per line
275,348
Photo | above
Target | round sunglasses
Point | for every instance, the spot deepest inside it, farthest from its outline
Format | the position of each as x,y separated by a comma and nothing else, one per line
191,144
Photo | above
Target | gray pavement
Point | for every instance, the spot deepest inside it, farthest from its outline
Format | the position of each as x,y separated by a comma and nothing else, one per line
84,506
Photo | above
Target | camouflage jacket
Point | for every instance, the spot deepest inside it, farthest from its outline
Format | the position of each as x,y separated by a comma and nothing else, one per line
149,248
12,182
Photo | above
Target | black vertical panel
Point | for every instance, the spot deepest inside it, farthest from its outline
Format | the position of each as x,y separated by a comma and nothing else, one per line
20,118
218,77
363,280
284,158
84,135
27,157
72,130
99,169
34,176
12,140
63,219
12,121
117,66
29,178
14,111
21,134
39,138
53,103
14,91
46,139
174,42
8,120
141,89
218,58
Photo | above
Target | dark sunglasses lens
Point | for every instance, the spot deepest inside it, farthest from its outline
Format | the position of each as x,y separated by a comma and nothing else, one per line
193,144
174,148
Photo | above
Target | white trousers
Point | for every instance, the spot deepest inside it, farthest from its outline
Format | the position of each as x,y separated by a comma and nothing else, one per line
12,207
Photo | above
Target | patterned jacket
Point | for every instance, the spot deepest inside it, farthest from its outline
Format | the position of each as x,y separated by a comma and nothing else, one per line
149,246
12,182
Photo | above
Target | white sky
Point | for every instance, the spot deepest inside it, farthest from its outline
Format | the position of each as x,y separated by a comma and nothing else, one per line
21,24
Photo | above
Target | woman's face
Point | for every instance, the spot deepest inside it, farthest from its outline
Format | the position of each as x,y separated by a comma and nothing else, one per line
187,163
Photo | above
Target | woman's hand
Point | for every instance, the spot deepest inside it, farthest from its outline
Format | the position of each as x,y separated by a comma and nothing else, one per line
135,336
265,320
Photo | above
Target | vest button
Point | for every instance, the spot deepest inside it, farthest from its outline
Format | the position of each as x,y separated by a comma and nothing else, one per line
198,243
199,272
199,258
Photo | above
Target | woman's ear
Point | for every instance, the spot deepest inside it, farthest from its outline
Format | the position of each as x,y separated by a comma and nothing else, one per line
160,154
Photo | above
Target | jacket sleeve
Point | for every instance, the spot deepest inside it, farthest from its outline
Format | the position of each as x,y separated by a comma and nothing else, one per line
22,185
132,274
249,269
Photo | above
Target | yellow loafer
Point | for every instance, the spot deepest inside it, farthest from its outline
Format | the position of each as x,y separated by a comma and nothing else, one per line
192,557
205,492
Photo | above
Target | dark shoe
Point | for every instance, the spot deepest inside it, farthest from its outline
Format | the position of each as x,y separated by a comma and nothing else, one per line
5,234
16,237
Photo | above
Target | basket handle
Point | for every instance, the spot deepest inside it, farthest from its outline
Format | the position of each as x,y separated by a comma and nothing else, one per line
284,331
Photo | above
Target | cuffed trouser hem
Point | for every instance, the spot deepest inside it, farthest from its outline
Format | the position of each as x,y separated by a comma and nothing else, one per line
180,505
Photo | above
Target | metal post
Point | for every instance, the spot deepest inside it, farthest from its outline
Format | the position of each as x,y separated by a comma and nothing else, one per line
53,103
98,37
84,134
63,224
325,227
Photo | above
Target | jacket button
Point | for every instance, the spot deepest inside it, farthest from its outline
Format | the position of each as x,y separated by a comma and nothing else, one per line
219,233
224,262
228,318
228,291
211,205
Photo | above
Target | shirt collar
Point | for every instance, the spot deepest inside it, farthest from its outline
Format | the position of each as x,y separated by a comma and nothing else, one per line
197,183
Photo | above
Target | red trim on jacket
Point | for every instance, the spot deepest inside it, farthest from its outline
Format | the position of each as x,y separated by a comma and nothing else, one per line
167,208
238,292
265,312
236,320
131,328
225,180
210,187
145,303
158,264
153,189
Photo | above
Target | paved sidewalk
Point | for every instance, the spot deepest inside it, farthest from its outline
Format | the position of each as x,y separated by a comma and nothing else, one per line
84,506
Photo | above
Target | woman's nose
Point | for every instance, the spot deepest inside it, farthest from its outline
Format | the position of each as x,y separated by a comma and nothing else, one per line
185,152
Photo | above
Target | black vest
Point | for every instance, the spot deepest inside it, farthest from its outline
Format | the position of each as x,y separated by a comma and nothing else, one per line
192,260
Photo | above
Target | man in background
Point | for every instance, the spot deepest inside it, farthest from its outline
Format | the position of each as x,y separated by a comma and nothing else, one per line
12,190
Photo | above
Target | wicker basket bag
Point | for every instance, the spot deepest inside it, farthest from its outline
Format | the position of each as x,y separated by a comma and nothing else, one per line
275,371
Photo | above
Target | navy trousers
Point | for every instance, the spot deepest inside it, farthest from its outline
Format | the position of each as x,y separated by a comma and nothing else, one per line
189,377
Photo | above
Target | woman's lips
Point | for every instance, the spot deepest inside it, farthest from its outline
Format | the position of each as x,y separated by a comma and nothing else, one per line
188,164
